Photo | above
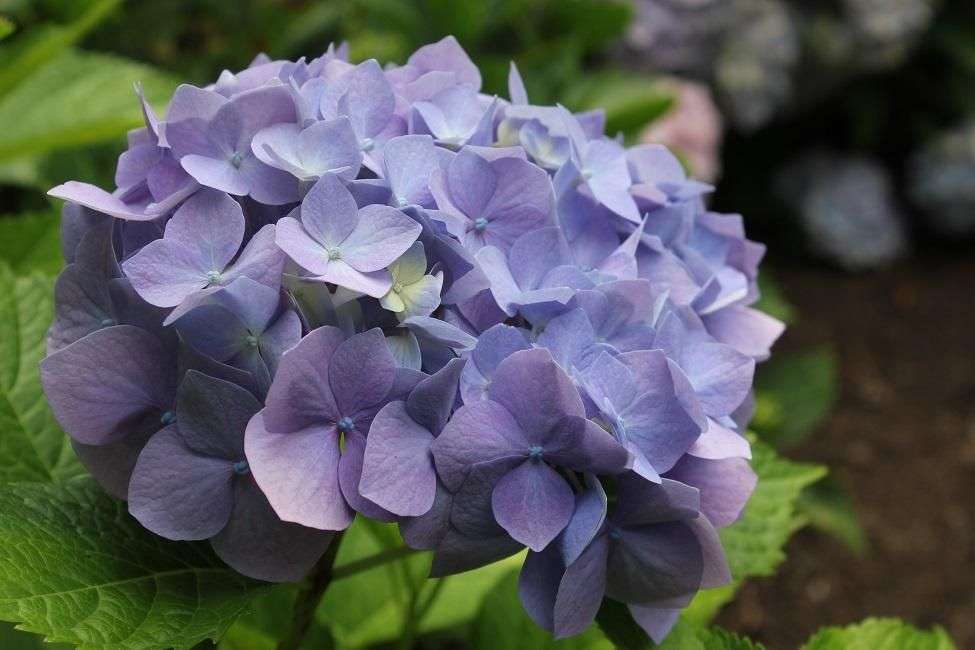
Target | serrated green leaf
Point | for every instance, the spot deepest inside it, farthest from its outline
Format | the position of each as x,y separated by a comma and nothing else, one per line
76,99
32,445
31,242
754,544
689,637
75,567
708,603
795,392
13,639
879,634
502,624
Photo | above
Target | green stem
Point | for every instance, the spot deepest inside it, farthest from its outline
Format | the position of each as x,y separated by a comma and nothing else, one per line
366,563
309,596
409,614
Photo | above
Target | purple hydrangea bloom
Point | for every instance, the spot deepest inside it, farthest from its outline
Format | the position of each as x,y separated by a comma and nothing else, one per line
652,552
533,423
322,289
492,202
306,446
398,472
218,153
198,251
338,242
192,481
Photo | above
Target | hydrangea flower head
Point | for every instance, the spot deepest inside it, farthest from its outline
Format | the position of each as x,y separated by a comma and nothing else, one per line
324,290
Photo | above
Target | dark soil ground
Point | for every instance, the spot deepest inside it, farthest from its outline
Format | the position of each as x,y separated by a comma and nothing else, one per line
901,441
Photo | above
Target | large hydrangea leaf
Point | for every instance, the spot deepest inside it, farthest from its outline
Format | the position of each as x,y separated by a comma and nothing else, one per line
755,543
32,445
879,634
31,242
76,568
98,87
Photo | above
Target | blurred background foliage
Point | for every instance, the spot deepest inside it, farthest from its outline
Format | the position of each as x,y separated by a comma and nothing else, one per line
844,130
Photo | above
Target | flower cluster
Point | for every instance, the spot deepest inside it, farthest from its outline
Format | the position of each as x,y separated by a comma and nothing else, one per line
323,289
764,57
847,207
942,181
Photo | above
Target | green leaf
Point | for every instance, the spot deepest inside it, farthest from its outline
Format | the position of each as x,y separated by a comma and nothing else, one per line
828,508
31,242
75,567
773,301
97,88
372,606
708,603
6,27
795,392
688,637
630,101
268,620
879,634
13,639
754,544
32,445
502,624
52,42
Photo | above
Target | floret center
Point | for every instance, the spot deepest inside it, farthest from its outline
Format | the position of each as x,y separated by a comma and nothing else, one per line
108,322
345,425
213,277
398,287
480,224
250,341
236,159
535,453
367,144
167,418
334,254
241,468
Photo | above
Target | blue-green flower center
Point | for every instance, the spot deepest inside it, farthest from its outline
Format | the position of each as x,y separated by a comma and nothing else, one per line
236,159
213,277
334,254
241,468
535,453
168,418
250,341
345,425
480,224
108,322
